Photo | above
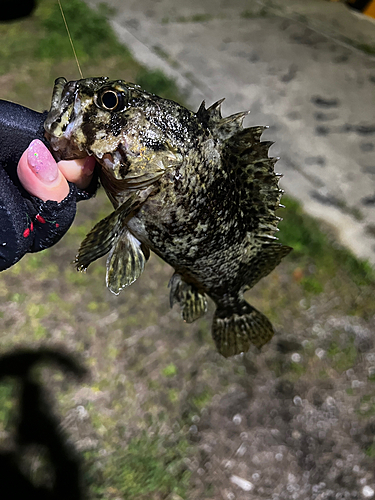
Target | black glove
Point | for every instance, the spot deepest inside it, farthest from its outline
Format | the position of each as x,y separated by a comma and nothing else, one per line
28,224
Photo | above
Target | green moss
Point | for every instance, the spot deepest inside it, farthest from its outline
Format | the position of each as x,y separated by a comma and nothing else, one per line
153,385
366,48
36,310
195,18
149,466
367,406
170,370
312,285
342,358
7,403
54,297
333,350
173,395
370,450
202,399
18,297
75,277
297,368
251,14
39,332
200,18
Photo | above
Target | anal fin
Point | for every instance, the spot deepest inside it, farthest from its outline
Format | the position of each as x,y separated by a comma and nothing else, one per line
193,304
125,262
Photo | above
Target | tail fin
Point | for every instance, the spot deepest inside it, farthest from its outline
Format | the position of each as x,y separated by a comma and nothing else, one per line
237,326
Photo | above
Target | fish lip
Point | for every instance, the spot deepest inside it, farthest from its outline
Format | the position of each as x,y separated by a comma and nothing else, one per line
62,103
60,122
57,92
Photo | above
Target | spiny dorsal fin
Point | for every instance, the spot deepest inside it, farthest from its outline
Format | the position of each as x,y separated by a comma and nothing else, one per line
210,116
202,110
221,128
229,126
246,160
215,109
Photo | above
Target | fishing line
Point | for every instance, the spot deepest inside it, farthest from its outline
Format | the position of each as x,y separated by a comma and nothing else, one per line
70,38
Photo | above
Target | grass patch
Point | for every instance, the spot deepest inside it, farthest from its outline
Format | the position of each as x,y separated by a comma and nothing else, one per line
148,466
195,18
367,406
202,399
156,82
170,370
97,41
312,285
312,246
7,404
297,368
251,14
342,358
365,47
370,451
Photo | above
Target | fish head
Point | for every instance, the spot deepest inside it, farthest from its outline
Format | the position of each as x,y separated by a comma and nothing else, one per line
115,121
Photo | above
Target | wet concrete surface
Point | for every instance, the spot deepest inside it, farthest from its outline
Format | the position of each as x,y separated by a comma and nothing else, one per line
297,67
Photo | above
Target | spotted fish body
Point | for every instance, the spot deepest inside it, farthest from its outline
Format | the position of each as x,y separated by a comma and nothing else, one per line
197,189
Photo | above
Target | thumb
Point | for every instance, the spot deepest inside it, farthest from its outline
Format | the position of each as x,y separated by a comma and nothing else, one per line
40,175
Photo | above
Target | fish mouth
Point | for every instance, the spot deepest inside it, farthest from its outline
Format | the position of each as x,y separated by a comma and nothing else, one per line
61,120
62,104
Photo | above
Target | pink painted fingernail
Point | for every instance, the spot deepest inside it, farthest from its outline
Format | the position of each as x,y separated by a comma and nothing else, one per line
41,162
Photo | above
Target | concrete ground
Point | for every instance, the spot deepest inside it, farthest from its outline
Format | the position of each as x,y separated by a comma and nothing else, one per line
297,66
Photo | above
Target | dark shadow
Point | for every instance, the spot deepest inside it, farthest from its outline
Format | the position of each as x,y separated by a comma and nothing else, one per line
11,10
37,426
358,4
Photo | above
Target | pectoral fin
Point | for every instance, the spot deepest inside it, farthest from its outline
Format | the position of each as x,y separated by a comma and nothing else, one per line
103,235
146,169
193,304
125,262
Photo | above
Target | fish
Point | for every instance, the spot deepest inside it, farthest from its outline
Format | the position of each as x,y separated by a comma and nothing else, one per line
197,189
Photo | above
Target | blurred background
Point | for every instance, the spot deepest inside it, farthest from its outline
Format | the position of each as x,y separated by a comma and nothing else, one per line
162,415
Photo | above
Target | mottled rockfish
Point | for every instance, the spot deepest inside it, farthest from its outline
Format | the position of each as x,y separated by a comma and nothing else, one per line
197,189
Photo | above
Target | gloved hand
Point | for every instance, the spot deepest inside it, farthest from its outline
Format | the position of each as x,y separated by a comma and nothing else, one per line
37,198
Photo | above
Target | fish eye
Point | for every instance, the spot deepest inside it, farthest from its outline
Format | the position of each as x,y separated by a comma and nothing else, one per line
111,100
